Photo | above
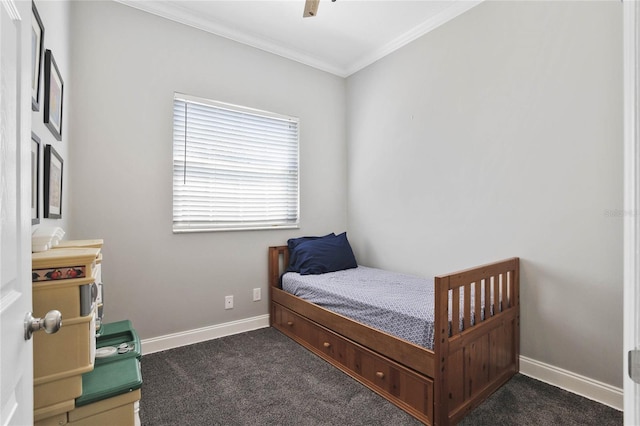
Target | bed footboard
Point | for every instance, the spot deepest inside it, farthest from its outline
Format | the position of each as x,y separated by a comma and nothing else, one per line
475,353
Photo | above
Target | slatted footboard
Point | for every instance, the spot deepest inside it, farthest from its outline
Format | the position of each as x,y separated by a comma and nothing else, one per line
475,358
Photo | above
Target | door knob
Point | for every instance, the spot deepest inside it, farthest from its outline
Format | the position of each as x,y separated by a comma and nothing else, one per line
51,323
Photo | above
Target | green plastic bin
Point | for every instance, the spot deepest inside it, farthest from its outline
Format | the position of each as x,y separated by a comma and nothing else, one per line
115,334
110,379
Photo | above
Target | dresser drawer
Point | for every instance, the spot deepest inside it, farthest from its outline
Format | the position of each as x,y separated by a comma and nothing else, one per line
402,386
294,325
389,377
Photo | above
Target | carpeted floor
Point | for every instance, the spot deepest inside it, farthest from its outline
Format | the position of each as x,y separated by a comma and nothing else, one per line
264,378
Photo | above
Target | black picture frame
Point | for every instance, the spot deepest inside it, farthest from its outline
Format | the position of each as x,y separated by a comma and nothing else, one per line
35,179
37,52
53,172
53,95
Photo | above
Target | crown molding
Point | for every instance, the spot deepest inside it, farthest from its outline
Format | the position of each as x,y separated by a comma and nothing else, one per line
457,8
174,12
178,14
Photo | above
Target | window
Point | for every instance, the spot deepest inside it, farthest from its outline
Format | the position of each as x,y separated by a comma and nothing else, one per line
233,167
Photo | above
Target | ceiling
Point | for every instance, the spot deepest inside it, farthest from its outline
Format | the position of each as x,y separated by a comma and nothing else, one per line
344,37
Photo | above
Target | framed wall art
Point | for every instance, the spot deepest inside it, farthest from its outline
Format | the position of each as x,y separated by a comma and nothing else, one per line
35,179
53,168
37,50
53,95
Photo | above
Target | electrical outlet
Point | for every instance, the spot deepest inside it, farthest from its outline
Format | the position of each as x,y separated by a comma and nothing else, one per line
256,294
228,302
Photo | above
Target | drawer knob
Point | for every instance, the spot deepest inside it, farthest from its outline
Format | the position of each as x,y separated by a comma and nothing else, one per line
379,374
289,323
326,344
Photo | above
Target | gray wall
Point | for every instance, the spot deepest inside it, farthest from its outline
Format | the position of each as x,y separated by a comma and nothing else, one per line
126,66
500,134
55,16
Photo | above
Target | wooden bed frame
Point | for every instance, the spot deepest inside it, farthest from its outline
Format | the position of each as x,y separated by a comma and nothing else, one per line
437,387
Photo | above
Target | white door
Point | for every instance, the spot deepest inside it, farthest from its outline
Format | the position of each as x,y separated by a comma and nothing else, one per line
631,209
16,357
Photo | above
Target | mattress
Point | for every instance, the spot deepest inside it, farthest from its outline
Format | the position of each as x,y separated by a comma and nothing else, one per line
399,304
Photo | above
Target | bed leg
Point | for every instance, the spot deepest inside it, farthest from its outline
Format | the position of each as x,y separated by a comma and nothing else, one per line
441,348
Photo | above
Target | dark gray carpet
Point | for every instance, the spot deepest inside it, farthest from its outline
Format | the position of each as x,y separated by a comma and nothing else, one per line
264,378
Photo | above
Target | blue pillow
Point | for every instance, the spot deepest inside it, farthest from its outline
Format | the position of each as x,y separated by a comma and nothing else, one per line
320,255
292,243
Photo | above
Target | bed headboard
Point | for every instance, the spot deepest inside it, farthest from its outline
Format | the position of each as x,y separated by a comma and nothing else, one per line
278,261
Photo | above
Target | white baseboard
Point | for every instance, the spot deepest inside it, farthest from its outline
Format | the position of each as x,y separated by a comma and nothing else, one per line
572,382
189,337
567,380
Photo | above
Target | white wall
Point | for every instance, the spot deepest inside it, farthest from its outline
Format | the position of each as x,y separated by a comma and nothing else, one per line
126,66
55,16
500,134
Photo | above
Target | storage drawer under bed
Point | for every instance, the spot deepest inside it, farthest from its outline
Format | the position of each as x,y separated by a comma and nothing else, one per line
404,387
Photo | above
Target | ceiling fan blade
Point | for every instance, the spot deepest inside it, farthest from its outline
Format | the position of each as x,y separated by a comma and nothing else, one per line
310,8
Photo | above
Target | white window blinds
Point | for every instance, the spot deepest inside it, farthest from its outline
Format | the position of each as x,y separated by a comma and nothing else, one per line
233,167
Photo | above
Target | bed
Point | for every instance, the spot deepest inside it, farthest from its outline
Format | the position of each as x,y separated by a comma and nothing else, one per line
469,356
